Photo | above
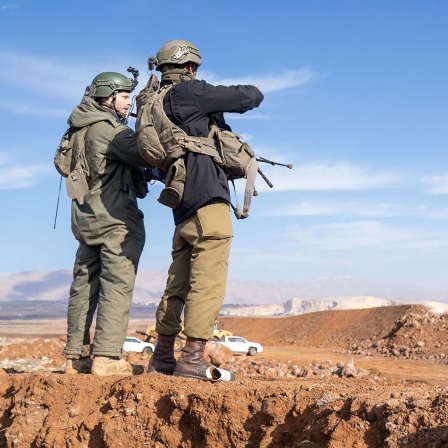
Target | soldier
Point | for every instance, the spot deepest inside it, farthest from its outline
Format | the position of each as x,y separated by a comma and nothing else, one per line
198,273
109,228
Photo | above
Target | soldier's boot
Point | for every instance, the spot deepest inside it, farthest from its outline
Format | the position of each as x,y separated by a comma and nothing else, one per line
82,364
103,366
163,360
192,364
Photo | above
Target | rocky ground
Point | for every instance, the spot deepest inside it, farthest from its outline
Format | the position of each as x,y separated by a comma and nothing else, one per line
358,378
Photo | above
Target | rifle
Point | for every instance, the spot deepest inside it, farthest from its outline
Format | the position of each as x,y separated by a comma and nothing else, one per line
271,162
154,174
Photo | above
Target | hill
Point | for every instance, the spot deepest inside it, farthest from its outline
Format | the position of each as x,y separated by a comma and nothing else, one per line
54,286
370,378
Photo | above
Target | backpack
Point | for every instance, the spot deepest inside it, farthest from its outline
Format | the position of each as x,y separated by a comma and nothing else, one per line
161,142
70,162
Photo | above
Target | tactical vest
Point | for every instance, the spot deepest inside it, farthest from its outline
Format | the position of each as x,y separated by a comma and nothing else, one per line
161,142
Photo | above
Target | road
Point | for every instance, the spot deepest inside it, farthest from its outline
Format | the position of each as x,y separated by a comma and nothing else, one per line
428,371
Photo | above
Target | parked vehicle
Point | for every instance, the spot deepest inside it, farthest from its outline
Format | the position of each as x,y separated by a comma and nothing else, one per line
132,344
218,332
151,335
240,345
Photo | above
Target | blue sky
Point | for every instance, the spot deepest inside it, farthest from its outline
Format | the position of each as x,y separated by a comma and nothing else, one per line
356,98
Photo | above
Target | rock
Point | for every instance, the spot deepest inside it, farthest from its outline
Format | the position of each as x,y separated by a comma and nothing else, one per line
5,382
349,369
217,354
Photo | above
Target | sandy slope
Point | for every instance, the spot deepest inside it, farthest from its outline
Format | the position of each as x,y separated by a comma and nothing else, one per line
398,395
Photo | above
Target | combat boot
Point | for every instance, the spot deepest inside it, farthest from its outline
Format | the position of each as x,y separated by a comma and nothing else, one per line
192,364
102,366
81,365
163,360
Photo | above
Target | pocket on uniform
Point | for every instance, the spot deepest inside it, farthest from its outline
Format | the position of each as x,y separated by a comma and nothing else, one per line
215,221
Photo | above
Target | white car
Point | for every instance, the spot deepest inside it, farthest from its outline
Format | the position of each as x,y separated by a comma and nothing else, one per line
136,345
240,345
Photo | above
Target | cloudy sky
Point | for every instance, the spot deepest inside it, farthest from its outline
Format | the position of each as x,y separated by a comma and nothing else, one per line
355,98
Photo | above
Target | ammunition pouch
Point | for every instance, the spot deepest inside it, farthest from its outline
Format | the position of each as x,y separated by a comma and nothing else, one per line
139,182
172,194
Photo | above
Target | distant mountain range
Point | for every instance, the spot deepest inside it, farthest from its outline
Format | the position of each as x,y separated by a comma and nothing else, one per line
294,307
54,286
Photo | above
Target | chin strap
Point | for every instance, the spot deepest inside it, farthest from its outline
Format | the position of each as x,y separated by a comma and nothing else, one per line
111,108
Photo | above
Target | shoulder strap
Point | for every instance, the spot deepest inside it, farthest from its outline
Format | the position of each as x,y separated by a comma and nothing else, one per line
79,146
248,191
160,141
201,145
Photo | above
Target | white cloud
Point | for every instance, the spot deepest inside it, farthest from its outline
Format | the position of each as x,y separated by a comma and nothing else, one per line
39,78
337,208
360,248
267,83
32,108
9,7
372,210
320,177
437,184
43,76
247,137
4,158
23,176
442,213
372,235
67,80
48,78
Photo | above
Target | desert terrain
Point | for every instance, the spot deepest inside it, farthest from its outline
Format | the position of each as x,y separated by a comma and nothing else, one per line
368,378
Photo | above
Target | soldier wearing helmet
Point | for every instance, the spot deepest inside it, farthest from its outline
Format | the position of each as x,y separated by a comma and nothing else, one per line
109,228
108,88
198,273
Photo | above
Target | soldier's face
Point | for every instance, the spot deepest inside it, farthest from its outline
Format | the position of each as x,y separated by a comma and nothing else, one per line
123,102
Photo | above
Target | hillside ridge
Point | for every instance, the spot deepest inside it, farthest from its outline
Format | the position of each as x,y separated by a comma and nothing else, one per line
305,389
54,286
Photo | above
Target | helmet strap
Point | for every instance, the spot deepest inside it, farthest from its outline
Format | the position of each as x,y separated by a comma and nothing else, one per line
110,107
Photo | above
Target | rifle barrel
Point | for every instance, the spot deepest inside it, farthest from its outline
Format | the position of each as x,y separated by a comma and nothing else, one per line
271,162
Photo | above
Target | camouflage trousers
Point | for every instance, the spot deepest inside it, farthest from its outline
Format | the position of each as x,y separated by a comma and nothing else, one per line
197,276
103,281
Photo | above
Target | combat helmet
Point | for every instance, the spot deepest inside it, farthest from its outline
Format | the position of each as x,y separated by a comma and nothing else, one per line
106,83
177,52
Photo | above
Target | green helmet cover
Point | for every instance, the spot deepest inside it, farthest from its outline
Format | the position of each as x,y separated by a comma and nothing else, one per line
177,52
106,83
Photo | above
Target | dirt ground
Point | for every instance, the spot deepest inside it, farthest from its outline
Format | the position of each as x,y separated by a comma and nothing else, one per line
360,378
